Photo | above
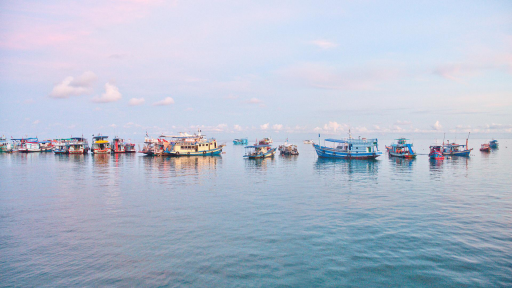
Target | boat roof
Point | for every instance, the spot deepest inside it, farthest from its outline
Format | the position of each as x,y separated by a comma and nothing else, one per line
26,139
46,141
351,140
100,137
258,146
101,141
454,145
77,138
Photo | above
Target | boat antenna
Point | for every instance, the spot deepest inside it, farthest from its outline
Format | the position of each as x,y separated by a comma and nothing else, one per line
444,135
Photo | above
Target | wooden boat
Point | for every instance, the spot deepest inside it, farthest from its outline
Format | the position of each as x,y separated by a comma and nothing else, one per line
61,146
401,149
78,145
100,145
5,147
454,149
436,152
485,148
29,145
129,147
259,151
46,146
288,149
154,147
118,145
241,141
192,145
349,148
494,144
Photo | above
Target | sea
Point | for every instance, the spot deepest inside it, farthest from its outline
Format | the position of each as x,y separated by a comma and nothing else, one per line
225,221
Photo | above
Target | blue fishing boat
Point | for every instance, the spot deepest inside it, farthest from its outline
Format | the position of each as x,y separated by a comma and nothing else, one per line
241,141
259,151
192,145
61,146
494,144
401,149
454,149
349,148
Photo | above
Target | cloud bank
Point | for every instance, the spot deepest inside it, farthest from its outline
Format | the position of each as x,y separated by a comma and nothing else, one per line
74,87
165,102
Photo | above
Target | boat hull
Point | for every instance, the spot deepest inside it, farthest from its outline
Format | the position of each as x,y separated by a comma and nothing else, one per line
211,152
464,153
269,153
327,152
402,155
98,151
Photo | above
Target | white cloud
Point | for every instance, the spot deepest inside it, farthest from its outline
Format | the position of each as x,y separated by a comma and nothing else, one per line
231,97
112,125
264,126
166,101
136,101
28,101
437,126
277,127
324,44
237,127
36,122
111,94
74,87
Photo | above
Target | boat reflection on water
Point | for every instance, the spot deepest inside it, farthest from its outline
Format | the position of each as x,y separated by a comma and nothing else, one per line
168,167
402,164
436,168
347,166
259,164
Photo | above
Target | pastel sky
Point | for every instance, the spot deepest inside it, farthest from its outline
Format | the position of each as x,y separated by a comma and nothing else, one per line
254,67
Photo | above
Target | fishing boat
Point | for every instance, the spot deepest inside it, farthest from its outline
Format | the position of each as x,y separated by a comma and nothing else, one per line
349,148
241,141
61,146
436,152
485,148
118,145
288,149
494,144
259,151
16,144
78,145
154,147
401,149
455,149
308,141
5,147
129,147
100,145
192,145
46,146
29,145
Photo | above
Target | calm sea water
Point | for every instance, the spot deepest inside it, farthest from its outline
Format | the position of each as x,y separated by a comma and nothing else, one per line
126,220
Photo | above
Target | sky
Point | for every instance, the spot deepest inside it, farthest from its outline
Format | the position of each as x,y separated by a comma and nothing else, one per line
255,68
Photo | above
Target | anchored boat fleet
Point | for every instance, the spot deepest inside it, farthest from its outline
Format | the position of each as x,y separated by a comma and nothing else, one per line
197,144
